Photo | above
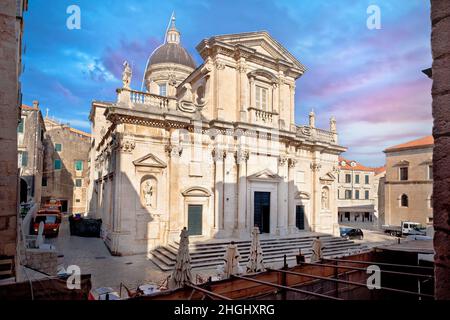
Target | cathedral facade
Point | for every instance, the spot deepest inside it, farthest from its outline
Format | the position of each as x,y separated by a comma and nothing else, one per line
213,148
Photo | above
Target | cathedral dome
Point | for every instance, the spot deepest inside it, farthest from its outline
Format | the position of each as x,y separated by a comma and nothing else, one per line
172,52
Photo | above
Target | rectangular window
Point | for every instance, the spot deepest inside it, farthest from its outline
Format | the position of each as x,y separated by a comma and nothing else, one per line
366,179
366,194
44,181
430,172
57,164
348,194
58,147
348,178
78,183
261,98
20,125
77,200
404,173
23,158
356,194
357,178
162,89
79,165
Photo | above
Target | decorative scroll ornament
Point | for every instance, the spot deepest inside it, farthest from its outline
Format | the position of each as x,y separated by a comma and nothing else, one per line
306,131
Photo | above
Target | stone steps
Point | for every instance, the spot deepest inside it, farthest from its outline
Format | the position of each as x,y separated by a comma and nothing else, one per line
210,255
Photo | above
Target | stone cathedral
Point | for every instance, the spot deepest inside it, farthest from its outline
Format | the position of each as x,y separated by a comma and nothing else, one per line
213,148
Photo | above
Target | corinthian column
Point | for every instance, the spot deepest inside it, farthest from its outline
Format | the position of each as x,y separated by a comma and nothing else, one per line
218,157
241,160
291,195
175,216
283,196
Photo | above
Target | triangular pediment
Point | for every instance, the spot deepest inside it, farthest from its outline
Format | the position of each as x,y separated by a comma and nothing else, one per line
150,160
261,43
265,175
328,177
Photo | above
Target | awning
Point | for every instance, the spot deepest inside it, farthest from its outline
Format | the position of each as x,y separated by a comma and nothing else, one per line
359,209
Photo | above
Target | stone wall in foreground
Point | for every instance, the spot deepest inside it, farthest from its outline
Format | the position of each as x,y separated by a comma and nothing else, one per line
440,35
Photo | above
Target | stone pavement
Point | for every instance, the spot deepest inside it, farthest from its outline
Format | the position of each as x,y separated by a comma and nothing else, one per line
93,257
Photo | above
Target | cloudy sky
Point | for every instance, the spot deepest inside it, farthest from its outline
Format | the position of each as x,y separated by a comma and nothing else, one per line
370,80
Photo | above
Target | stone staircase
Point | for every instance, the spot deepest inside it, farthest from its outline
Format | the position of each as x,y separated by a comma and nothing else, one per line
210,254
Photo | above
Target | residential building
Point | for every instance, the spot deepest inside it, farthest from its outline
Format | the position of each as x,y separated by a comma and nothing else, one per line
358,194
30,146
214,148
66,167
409,182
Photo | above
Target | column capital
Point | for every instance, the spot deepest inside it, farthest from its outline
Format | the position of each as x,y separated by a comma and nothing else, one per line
282,160
241,156
173,150
218,154
292,162
315,166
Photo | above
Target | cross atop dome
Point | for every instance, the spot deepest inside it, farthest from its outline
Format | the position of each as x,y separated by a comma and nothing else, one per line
172,35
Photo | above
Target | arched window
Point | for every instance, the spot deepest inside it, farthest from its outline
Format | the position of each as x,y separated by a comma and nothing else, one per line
404,200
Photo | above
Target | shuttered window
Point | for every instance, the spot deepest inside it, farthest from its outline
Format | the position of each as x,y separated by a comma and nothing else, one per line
261,98
195,219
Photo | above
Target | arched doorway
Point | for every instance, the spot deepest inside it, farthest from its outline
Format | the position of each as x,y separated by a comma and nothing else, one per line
23,191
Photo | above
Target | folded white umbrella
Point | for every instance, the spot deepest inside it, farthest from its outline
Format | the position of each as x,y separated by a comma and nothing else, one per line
181,274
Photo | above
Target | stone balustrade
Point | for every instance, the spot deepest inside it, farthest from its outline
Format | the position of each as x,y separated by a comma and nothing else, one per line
316,134
259,116
134,96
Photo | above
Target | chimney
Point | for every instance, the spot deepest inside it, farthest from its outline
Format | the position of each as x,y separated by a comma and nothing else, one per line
35,104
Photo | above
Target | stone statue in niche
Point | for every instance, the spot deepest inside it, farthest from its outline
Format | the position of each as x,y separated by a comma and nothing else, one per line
148,193
325,198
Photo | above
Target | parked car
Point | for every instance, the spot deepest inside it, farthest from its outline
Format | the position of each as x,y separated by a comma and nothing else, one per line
405,228
51,224
352,233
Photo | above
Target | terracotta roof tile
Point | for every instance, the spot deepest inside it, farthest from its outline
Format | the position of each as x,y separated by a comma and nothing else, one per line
358,166
25,107
414,144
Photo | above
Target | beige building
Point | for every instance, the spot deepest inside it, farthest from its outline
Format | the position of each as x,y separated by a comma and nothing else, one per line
358,197
66,167
409,182
30,146
213,148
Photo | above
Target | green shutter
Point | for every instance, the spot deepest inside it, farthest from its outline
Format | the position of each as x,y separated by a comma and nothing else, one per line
58,147
24,159
20,126
78,165
195,219
57,164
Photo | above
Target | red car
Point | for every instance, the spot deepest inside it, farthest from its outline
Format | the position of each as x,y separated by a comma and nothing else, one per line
51,221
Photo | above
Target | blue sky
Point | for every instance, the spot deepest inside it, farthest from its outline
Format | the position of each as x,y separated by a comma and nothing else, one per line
370,80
